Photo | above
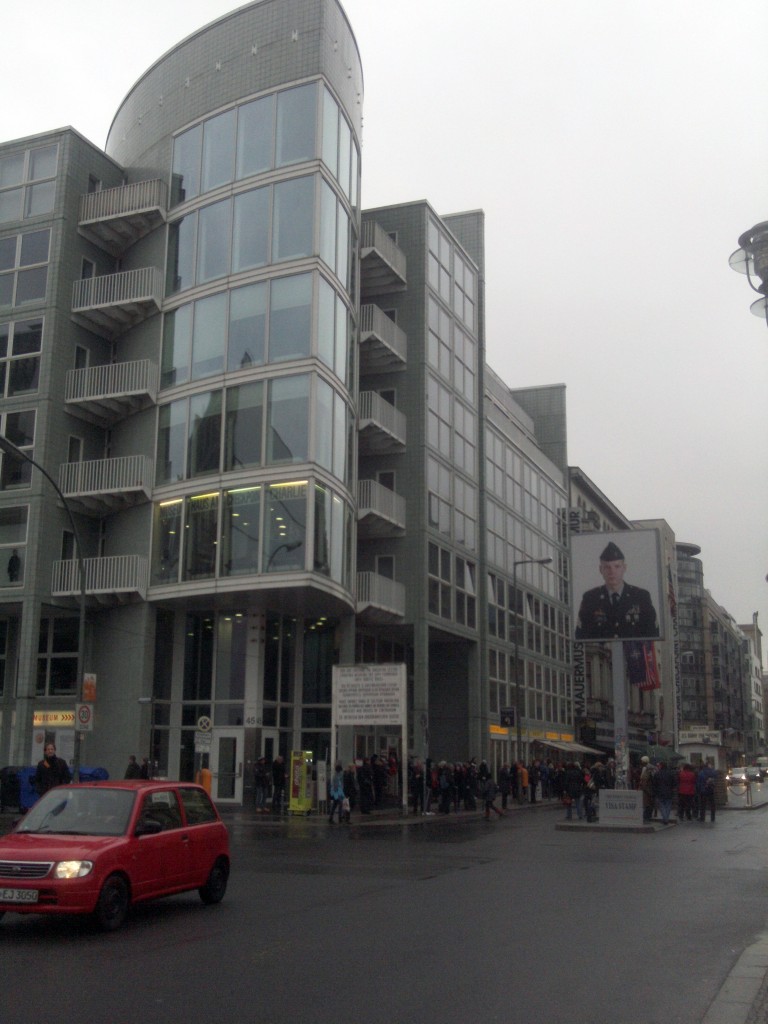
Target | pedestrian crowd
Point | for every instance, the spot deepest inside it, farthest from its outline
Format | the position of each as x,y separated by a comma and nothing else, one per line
445,787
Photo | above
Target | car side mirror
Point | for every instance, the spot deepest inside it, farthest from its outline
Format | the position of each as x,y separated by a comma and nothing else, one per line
148,827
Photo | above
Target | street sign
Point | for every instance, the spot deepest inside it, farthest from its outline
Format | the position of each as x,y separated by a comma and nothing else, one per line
204,723
89,687
84,717
507,717
203,741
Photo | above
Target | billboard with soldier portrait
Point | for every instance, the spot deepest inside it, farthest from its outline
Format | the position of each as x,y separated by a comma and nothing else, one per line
617,586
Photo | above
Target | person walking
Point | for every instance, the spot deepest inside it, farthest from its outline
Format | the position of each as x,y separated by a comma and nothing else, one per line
647,787
705,790
665,791
133,771
278,784
350,791
336,792
686,792
51,771
261,785
573,787
489,796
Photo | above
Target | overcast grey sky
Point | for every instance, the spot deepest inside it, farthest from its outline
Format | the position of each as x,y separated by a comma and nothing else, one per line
618,149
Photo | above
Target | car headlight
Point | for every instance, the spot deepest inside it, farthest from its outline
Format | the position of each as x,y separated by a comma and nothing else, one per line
73,868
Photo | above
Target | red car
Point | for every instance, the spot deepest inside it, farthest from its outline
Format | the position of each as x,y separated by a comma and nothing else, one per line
97,847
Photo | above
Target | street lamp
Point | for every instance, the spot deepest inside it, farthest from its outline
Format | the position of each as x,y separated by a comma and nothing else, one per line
515,674
16,453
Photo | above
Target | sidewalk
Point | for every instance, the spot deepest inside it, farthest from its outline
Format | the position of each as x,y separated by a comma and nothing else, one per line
379,816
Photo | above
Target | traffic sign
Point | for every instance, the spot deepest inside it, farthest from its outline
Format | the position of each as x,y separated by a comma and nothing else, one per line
507,716
204,724
84,717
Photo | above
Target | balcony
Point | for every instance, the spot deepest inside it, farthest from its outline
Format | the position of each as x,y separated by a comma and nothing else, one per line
119,579
381,427
380,512
383,345
382,261
107,485
379,599
113,303
105,394
116,218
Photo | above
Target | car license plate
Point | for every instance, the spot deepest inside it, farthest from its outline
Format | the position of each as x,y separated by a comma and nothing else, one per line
18,895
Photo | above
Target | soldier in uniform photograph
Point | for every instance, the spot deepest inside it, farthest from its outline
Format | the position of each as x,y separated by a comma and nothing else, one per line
616,610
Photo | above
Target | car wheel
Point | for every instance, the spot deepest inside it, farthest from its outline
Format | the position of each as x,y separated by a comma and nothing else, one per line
214,889
113,904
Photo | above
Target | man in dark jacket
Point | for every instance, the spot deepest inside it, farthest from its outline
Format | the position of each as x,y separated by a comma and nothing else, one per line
664,785
51,771
705,790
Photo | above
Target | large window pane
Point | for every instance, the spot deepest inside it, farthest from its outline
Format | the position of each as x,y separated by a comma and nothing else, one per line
247,322
321,555
324,425
330,133
42,162
328,204
296,124
285,525
251,230
23,376
171,442
34,248
288,432
339,554
204,433
218,150
240,531
10,205
255,128
290,319
166,545
201,524
39,198
340,414
11,169
186,165
244,426
182,238
13,525
293,219
326,330
177,346
345,145
31,285
231,661
209,336
213,241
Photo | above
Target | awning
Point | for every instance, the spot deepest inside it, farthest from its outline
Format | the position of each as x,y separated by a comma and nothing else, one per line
570,748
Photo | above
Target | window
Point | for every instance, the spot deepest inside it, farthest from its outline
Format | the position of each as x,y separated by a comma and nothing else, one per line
27,183
23,267
288,419
20,347
57,657
285,527
13,540
19,428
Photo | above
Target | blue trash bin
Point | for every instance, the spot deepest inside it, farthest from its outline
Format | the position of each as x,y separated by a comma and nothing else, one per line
93,774
27,793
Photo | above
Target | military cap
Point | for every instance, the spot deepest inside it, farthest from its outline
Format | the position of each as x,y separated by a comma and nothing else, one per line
612,553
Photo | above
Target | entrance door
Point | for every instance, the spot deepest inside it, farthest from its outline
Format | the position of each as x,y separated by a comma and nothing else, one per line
227,766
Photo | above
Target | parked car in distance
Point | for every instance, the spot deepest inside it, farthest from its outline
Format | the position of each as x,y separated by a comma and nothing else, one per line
99,847
736,775
755,774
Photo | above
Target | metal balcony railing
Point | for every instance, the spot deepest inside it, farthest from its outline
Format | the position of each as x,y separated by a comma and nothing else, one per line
108,483
383,343
112,303
116,218
111,391
376,502
379,594
383,262
378,417
115,575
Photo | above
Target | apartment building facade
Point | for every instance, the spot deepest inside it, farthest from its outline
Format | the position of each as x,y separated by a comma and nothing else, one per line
272,424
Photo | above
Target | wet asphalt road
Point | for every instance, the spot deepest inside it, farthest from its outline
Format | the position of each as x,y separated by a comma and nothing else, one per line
510,921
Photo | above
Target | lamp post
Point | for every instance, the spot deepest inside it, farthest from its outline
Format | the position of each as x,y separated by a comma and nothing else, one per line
16,453
515,676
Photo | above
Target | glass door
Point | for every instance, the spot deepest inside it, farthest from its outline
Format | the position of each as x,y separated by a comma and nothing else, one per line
227,766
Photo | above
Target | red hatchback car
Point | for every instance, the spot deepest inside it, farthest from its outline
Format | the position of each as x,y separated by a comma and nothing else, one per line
97,847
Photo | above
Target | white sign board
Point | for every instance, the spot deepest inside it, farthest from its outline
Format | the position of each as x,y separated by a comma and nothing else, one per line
368,694
621,807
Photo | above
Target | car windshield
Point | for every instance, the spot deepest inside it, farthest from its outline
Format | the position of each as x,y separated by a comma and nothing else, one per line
72,810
